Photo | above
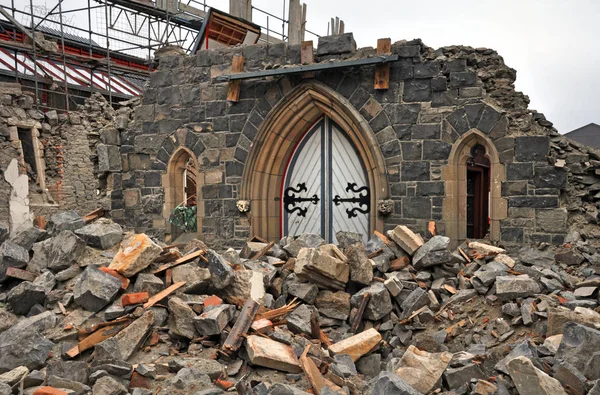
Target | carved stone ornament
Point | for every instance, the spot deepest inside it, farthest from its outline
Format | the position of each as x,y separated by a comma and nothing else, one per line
243,206
385,207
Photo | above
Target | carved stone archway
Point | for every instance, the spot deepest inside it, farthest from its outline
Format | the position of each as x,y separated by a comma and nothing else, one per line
455,176
279,133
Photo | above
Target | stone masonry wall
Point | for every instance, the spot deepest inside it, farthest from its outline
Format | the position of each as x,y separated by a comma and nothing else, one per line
435,96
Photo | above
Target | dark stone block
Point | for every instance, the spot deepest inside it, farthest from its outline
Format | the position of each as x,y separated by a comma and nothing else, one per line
398,189
514,188
539,238
163,156
168,125
505,143
213,208
417,207
210,192
426,70
433,188
444,99
547,191
436,150
231,139
415,171
533,201
241,107
225,192
380,122
402,132
401,70
359,98
474,112
417,90
531,148
519,171
233,169
335,45
550,177
236,123
458,120
488,119
403,113
425,132
390,149
230,208
220,124
455,65
512,234
215,109
411,150
191,139
152,179
406,51
463,78
250,131
439,84
241,154
198,148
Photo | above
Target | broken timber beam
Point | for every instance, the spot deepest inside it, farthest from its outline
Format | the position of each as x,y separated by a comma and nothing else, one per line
382,71
241,327
359,314
163,294
95,338
319,384
379,59
183,259
233,90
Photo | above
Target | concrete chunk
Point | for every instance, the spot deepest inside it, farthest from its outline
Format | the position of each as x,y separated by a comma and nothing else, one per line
358,345
272,354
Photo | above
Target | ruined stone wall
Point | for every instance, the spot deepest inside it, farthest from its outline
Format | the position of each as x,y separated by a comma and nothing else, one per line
435,98
67,151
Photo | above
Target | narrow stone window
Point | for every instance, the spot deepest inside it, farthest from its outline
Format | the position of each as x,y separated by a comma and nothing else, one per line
31,156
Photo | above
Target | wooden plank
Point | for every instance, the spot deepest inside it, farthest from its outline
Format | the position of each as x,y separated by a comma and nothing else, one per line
163,294
183,259
20,274
399,264
94,215
307,56
263,251
318,383
295,22
96,337
359,314
40,221
382,71
464,255
240,328
233,90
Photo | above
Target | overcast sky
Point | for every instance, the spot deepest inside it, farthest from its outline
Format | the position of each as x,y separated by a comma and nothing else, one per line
553,44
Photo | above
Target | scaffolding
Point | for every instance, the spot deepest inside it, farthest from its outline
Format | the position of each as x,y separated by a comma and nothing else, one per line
62,54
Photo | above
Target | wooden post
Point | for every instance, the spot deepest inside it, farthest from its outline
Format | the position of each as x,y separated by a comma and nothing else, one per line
295,22
307,56
233,91
382,71
359,314
241,9
241,326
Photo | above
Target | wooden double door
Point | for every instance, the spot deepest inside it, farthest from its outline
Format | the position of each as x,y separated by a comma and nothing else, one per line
325,188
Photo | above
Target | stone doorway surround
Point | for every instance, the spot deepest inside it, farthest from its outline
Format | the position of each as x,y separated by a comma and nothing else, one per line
454,210
277,136
173,185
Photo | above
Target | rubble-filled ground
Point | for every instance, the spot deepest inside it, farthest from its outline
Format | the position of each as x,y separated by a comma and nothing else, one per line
87,309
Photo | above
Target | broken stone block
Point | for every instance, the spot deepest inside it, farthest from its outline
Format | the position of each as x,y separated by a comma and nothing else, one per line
298,321
306,240
12,255
197,278
181,323
271,354
346,239
487,273
221,273
251,248
240,289
485,388
325,266
457,377
29,237
135,254
369,365
358,345
284,389
336,44
530,380
67,220
406,239
512,287
394,286
425,256
65,250
485,249
101,235
415,300
24,296
361,270
534,257
379,305
72,370
108,385
4,232
421,370
304,291
333,304
95,289
389,383
524,349
343,366
14,376
45,280
559,316
578,346
130,338
213,321
190,379
148,282
584,292
570,377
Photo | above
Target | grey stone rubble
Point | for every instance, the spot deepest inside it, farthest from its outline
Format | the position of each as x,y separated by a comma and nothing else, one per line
448,322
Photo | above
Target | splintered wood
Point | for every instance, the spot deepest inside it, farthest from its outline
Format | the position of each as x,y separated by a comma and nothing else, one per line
97,337
240,328
319,384
183,259
280,312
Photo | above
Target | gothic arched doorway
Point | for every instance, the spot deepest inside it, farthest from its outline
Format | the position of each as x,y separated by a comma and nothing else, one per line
478,193
325,186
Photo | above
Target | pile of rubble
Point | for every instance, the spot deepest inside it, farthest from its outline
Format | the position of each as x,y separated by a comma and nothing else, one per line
87,309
